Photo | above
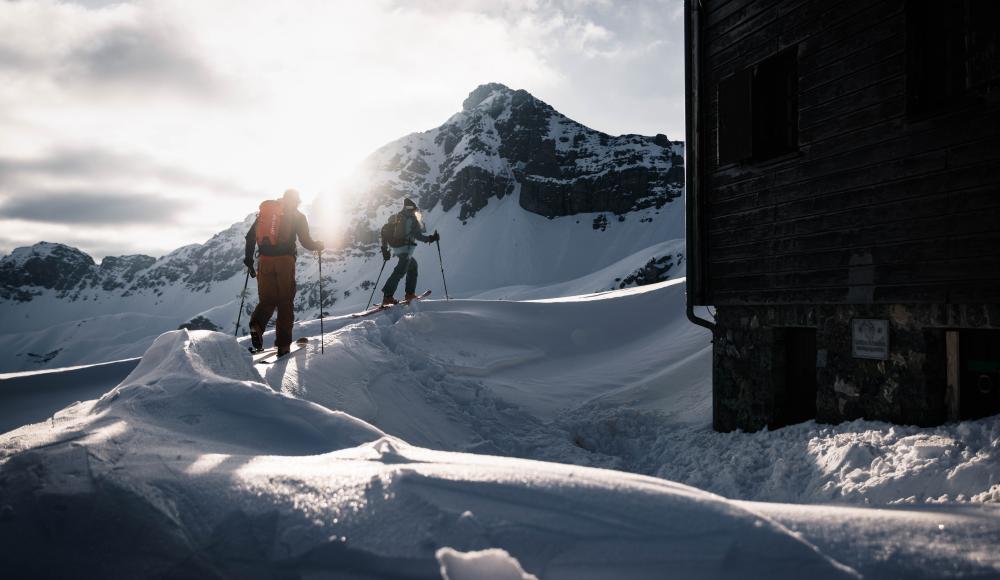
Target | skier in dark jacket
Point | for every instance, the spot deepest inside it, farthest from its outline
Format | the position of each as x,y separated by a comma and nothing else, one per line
275,231
411,229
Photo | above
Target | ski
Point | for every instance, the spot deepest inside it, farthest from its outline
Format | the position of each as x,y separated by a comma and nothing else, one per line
420,297
381,307
262,353
270,357
371,310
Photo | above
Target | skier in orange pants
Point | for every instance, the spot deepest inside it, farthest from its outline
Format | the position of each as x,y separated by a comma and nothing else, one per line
274,232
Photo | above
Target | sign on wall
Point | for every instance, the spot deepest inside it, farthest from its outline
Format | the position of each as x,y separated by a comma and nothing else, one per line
870,338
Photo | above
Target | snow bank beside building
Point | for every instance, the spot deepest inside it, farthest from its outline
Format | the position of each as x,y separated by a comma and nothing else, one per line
616,380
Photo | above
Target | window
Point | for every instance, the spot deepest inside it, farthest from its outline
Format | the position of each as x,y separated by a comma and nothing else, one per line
758,110
952,52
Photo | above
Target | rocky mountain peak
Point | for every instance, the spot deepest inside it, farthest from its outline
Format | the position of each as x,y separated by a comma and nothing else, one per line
482,93
45,251
43,265
507,142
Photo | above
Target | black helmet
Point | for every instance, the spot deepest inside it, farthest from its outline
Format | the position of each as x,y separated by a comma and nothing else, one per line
407,202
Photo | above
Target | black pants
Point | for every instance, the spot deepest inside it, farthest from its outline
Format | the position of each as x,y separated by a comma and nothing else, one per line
407,266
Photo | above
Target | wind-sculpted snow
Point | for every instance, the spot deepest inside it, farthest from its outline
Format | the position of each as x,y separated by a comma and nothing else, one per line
191,468
202,385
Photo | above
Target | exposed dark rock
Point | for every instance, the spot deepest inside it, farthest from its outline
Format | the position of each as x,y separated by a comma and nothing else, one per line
656,270
199,323
44,265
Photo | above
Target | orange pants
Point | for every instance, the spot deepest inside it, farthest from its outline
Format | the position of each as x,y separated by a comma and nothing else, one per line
276,289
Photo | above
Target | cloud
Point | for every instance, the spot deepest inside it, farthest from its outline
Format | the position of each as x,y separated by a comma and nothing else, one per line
11,58
117,50
80,165
90,208
219,104
139,58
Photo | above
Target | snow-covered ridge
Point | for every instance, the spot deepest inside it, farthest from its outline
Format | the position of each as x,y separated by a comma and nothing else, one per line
31,271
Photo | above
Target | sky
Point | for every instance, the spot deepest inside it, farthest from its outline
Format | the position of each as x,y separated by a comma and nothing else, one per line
139,127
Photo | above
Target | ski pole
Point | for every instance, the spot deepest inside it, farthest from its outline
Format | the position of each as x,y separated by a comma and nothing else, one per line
384,262
445,282
319,257
243,296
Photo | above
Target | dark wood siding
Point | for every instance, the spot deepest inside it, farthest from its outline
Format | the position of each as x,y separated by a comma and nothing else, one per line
877,205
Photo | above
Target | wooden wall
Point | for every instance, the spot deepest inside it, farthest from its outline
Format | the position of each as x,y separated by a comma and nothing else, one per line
876,206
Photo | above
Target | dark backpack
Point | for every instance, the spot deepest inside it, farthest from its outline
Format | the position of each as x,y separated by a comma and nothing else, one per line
394,231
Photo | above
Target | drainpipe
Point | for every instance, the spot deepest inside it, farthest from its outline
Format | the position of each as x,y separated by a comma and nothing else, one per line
693,162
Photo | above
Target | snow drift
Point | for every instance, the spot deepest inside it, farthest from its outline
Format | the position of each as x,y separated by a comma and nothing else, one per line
192,468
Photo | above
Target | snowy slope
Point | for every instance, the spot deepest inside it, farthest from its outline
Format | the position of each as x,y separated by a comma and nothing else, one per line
34,396
100,339
529,204
492,376
223,472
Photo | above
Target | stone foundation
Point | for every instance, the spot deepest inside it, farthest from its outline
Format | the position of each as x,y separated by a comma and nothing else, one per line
910,387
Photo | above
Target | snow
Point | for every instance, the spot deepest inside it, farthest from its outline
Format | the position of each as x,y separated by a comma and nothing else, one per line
222,473
493,564
90,340
916,542
473,438
40,250
30,397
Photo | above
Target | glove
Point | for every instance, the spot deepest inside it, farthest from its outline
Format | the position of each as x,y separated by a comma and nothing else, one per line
248,262
320,246
434,237
385,253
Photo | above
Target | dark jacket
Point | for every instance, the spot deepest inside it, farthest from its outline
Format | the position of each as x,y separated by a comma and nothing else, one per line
297,223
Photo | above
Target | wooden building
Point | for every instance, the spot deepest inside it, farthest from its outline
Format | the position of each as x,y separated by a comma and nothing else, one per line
843,199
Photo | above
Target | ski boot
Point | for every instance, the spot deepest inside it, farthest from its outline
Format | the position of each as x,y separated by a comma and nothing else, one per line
256,338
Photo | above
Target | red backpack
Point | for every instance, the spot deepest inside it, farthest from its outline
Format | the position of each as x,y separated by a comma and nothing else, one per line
271,223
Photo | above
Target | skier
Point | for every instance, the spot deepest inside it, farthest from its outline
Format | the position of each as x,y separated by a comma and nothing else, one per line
401,233
275,230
